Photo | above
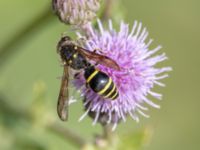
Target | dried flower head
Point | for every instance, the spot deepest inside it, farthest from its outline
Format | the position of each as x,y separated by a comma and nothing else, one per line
134,81
76,12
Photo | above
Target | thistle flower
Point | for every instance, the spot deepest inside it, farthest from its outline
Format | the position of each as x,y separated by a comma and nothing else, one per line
134,81
76,12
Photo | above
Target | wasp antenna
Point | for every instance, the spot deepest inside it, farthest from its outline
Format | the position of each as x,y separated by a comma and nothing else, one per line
69,31
74,28
98,50
66,33
81,41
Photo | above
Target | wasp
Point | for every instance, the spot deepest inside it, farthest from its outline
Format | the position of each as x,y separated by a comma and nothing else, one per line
78,58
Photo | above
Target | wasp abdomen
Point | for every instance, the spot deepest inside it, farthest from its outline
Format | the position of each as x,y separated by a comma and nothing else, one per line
101,83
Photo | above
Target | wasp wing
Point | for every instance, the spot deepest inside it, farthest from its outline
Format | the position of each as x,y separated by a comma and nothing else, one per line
100,59
63,100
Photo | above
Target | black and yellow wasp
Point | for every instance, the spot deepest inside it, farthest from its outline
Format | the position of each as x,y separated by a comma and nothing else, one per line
78,58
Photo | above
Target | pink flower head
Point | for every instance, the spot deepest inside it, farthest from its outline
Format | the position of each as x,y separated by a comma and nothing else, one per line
134,81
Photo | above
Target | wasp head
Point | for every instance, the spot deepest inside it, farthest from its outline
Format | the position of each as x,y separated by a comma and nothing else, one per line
64,42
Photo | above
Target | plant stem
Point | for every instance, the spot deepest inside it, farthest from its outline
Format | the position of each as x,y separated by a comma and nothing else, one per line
8,49
68,134
107,10
107,132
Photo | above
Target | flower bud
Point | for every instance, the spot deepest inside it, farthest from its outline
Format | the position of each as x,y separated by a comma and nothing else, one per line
76,12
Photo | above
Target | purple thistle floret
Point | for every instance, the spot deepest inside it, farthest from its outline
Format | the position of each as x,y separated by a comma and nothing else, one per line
134,81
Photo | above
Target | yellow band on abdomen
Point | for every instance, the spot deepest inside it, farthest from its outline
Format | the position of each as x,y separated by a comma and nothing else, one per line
113,89
92,76
106,87
113,97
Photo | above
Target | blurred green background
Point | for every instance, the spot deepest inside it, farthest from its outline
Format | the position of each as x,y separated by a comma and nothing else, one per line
29,88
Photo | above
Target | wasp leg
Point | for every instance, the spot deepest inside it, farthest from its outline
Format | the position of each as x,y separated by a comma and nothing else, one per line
77,75
98,50
81,41
87,85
